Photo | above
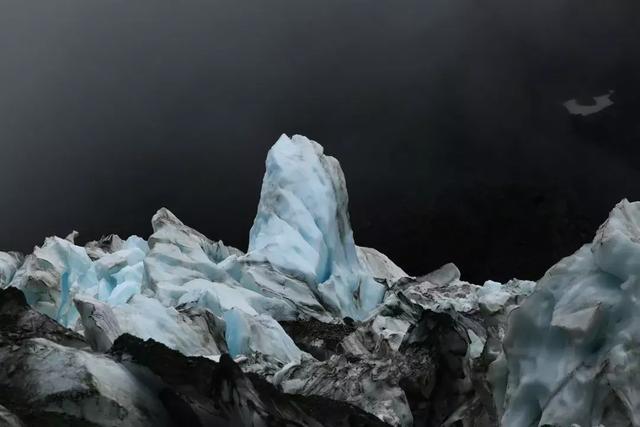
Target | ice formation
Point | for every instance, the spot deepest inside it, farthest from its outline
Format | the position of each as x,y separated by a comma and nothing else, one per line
571,349
302,227
302,262
203,298
379,266
318,317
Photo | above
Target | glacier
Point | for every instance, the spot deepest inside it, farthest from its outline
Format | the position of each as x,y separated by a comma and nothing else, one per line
306,319
302,262
571,349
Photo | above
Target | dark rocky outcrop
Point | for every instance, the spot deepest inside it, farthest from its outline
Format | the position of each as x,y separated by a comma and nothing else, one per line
208,393
319,339
18,322
50,376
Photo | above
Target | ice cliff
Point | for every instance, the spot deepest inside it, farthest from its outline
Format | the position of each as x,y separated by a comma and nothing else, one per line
302,227
571,352
179,328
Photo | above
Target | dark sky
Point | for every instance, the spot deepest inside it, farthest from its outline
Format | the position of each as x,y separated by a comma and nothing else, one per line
446,115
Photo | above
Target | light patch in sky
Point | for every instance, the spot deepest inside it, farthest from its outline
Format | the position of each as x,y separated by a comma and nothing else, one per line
600,103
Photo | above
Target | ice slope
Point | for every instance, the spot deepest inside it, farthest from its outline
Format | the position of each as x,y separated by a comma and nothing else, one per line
51,274
59,269
571,350
379,266
302,227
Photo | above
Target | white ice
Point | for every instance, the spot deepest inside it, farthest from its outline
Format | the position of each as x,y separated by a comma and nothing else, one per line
248,334
178,286
379,266
570,352
302,227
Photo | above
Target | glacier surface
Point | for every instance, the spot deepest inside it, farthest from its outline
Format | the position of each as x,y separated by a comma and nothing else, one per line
316,315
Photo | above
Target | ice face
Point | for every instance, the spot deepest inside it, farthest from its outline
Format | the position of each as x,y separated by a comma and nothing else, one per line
266,280
379,266
570,352
50,275
146,317
179,254
59,270
222,297
100,324
248,334
492,296
9,264
302,227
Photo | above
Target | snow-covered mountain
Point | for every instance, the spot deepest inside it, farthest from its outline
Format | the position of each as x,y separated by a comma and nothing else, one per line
307,328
